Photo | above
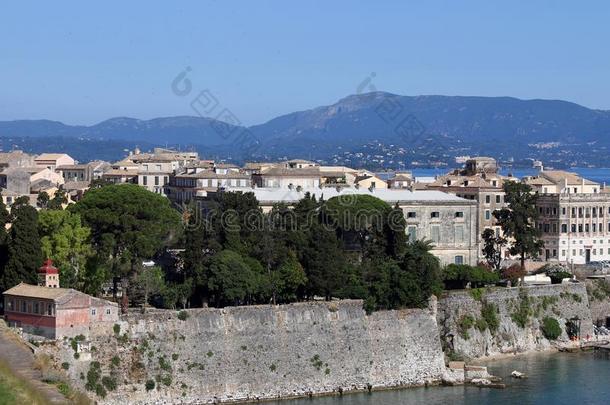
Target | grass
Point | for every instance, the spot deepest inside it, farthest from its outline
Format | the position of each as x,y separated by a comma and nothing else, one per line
15,390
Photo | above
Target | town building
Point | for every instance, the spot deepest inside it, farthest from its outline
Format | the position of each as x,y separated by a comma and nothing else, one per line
83,172
401,180
479,181
53,160
574,217
450,222
197,183
284,177
53,312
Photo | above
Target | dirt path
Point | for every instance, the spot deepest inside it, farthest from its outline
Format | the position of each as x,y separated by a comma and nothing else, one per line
21,361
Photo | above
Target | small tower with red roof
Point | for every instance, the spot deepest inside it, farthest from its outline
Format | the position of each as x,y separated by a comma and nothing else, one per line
48,275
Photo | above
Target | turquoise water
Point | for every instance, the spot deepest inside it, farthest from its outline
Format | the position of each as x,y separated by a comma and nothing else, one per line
560,378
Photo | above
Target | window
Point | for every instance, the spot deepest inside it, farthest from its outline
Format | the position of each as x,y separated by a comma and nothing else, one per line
459,234
23,306
458,259
487,215
144,180
487,199
411,214
573,227
564,228
93,311
412,232
156,180
434,214
435,233
108,311
36,309
459,214
49,309
498,199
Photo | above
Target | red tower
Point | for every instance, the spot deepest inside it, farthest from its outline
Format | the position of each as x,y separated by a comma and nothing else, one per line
48,275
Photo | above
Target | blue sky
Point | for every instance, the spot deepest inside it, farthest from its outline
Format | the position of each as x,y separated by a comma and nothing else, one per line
81,63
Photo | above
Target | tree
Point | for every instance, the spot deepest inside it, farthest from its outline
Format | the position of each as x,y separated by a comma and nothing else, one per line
518,221
65,240
492,248
424,272
151,281
43,199
4,240
128,224
457,276
58,201
24,252
231,280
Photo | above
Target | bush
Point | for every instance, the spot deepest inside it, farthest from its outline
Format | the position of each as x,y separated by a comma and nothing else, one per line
466,322
523,312
456,276
481,324
513,273
116,328
100,390
110,383
65,365
556,272
150,385
489,312
183,315
550,328
115,361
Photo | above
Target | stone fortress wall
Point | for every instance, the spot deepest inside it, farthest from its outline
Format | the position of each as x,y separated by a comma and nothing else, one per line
264,352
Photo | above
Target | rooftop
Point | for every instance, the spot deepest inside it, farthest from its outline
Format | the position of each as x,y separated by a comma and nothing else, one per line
387,195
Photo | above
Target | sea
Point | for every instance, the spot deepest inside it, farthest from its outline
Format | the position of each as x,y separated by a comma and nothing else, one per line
599,175
551,378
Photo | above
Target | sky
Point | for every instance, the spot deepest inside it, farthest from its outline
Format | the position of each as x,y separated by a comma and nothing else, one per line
82,63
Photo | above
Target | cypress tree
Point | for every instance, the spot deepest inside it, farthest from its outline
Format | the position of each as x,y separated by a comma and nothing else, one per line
4,216
24,251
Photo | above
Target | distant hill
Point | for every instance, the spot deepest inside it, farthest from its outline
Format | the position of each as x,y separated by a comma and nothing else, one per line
482,125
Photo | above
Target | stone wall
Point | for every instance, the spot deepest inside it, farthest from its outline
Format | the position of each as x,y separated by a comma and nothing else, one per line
561,302
599,300
264,352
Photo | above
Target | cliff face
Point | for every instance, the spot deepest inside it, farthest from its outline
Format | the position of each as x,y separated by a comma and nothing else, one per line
519,312
267,352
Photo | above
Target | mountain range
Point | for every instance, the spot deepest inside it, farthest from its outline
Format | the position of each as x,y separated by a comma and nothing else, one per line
452,125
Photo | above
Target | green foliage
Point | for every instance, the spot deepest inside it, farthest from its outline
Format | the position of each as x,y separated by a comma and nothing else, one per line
272,367
523,311
477,293
183,315
166,380
116,328
93,376
550,328
164,364
65,365
24,251
109,383
518,220
599,290
100,391
489,313
481,324
492,248
465,323
175,356
316,362
458,275
150,385
128,224
115,361
65,240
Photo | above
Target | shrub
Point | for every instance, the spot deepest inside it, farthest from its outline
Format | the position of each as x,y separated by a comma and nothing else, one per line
109,382
115,361
272,367
93,376
100,390
550,328
76,355
513,273
174,356
556,272
116,328
150,385
164,364
481,324
64,389
65,365
465,323
183,315
456,276
489,312
166,380
523,312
